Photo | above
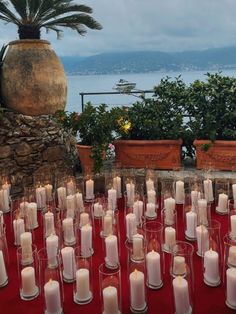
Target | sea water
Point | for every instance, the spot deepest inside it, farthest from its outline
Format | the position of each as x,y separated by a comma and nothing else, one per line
106,83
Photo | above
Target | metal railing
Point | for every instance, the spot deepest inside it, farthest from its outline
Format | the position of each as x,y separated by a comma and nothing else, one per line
132,93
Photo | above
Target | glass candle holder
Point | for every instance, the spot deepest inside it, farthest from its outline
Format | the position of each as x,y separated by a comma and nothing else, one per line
5,204
167,192
208,181
190,218
129,191
222,196
232,223
61,197
70,184
229,251
117,181
169,222
137,248
233,191
68,229
68,264
99,206
112,251
138,208
51,288
19,225
82,287
183,300
28,274
137,279
49,222
110,289
203,212
179,190
4,258
153,235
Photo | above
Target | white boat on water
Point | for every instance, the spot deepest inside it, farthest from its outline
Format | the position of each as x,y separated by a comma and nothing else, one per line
124,86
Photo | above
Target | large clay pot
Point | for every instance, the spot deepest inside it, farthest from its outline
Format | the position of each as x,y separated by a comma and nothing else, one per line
220,154
33,80
84,153
159,154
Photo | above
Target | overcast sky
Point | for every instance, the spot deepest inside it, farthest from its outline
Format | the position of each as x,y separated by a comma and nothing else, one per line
166,25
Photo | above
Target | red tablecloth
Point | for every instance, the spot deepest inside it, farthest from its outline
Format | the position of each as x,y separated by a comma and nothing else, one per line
206,300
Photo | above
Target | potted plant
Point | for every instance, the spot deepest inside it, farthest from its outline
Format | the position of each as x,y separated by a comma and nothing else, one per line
212,112
149,132
33,80
93,129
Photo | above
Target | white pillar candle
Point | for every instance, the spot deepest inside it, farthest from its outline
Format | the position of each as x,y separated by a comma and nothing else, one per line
4,201
233,226
138,211
79,201
138,247
232,256
48,188
52,245
32,217
83,292
68,261
151,196
150,210
41,197
29,287
195,195
107,225
181,296
130,193
208,190
179,265
191,224
49,227
18,228
137,290
86,240
202,240
222,203
234,193
170,237
7,186
23,207
117,185
153,269
52,297
231,287
110,300
61,196
179,192
202,211
112,257
70,206
3,272
169,203
84,219
131,228
112,199
68,231
89,188
97,210
26,247
1,218
70,186
150,184
211,268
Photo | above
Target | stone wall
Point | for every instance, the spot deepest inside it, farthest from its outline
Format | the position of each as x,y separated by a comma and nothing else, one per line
34,146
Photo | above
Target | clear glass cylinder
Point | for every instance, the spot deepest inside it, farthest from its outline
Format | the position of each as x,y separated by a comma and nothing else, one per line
153,235
68,264
182,273
179,190
4,257
110,289
170,231
222,196
28,274
203,212
232,223
83,285
137,278
51,287
190,218
167,192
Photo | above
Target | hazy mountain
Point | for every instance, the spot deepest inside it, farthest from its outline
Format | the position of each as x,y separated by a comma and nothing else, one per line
151,61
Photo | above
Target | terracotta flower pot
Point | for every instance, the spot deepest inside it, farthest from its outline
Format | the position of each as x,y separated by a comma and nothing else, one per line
84,153
157,154
221,154
33,81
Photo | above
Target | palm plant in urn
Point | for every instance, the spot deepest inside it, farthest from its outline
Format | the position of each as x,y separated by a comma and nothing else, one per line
33,80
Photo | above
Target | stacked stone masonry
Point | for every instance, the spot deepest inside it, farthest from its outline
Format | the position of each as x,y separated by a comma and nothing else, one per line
34,146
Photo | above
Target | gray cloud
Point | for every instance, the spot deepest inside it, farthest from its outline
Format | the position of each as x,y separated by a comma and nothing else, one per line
167,25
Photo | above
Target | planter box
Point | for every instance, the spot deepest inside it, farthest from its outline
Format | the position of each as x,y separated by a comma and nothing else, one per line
159,154
222,154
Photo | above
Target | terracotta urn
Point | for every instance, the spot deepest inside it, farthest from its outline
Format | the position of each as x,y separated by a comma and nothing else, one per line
33,81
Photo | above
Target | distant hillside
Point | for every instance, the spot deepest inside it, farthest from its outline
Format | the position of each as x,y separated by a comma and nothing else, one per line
152,61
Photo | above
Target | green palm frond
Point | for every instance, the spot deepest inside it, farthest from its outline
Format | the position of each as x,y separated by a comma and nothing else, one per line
51,14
